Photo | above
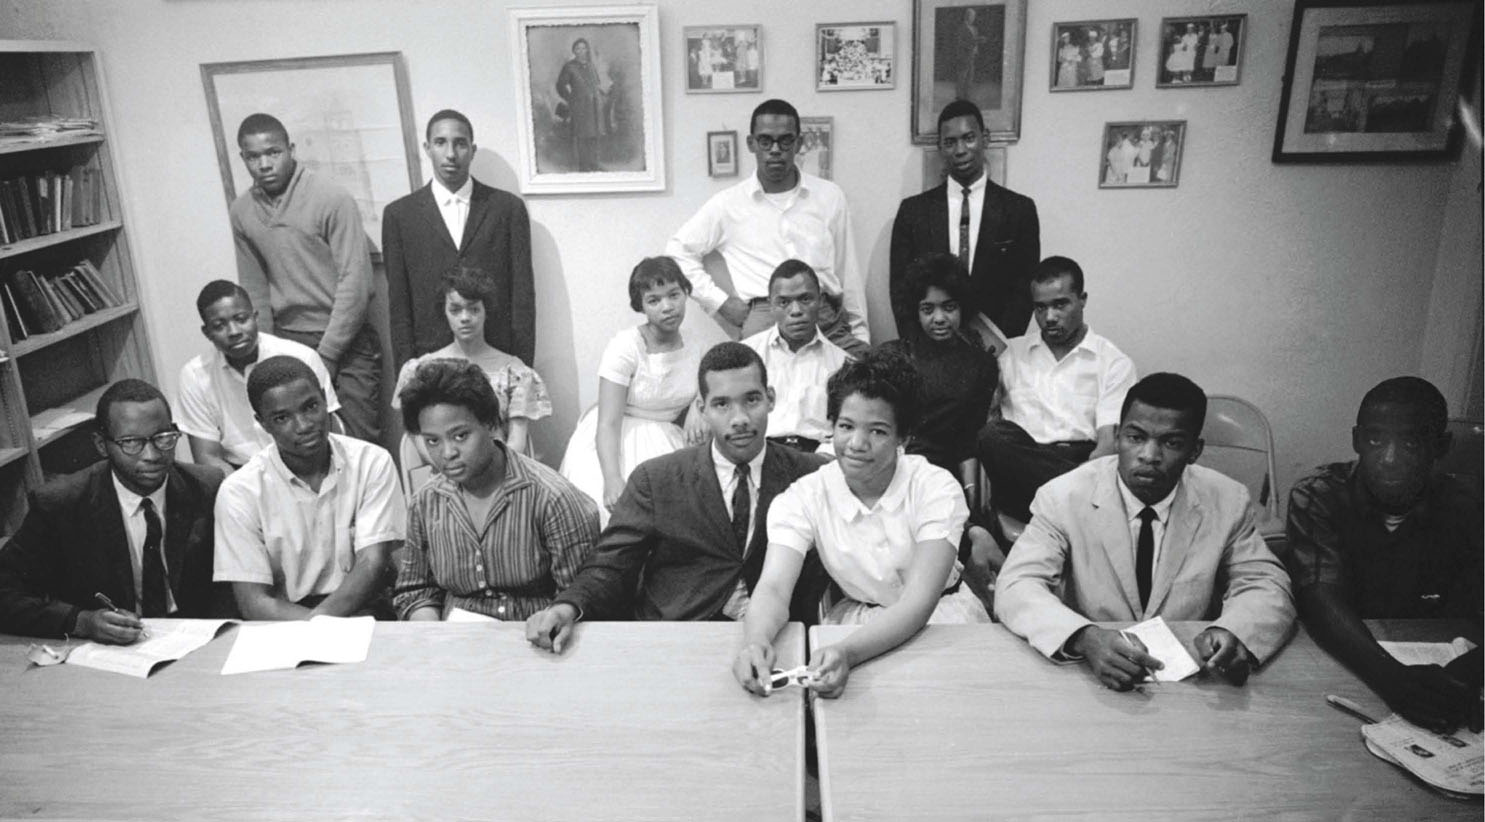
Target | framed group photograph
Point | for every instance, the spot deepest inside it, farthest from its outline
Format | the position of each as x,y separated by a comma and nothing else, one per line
1093,55
721,154
971,50
853,56
588,99
1141,154
723,59
1201,51
1374,81
816,139
349,118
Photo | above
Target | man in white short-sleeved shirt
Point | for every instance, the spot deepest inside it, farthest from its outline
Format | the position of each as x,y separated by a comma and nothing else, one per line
213,403
799,359
1061,391
309,525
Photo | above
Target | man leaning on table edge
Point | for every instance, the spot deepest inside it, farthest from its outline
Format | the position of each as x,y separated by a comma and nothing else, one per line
1145,533
1385,536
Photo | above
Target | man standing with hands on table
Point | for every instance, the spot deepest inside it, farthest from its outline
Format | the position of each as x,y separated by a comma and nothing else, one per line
687,537
131,534
1146,533
1386,537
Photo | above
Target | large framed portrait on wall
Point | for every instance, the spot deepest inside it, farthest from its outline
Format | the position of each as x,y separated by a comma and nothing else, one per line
588,99
972,50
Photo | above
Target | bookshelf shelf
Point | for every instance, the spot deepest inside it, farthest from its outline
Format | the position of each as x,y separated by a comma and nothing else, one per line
72,329
51,424
16,146
56,238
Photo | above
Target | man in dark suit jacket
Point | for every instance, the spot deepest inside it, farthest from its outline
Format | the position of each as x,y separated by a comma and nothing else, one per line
674,546
1003,248
418,245
99,531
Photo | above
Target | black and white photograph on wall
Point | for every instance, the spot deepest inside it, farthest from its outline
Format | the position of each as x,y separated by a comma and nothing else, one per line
968,50
1201,51
723,59
816,140
721,154
1142,154
853,56
589,98
1093,55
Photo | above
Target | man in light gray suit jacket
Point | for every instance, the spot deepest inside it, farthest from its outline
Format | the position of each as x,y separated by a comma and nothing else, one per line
1146,533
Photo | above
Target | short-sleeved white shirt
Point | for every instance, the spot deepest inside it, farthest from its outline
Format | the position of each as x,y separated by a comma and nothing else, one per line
1068,399
867,551
798,382
272,529
213,402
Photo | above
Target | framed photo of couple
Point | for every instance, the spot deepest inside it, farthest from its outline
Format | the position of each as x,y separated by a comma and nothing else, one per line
1142,154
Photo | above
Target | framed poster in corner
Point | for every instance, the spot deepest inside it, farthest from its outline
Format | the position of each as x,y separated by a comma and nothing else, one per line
972,50
588,99
1374,81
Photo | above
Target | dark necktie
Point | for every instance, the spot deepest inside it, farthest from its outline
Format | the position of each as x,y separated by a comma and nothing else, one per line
742,498
964,230
1145,554
154,582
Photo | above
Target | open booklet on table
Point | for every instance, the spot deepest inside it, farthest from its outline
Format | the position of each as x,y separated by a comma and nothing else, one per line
279,645
166,641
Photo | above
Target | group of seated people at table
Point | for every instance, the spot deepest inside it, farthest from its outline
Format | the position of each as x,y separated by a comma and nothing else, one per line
782,477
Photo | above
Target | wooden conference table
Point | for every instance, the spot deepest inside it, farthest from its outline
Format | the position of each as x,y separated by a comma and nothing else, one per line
970,723
634,721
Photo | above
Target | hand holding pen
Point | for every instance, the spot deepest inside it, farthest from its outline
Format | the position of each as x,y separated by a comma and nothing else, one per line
111,624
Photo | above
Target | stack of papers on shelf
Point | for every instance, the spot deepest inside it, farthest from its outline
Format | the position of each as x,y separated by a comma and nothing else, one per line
53,420
42,127
167,641
282,645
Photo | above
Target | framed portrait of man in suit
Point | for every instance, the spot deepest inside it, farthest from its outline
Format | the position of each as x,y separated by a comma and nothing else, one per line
971,50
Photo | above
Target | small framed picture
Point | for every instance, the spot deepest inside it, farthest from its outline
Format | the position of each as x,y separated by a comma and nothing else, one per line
1142,154
1093,55
816,140
721,153
723,59
1201,51
854,56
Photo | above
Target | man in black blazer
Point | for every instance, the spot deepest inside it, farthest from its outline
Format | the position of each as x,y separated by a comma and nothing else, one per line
419,245
674,546
1001,225
135,528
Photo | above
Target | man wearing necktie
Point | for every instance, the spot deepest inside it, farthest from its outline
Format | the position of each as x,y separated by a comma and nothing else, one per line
1143,533
993,231
128,537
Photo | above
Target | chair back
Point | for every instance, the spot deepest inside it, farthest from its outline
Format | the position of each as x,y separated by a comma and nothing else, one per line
1240,444
1467,454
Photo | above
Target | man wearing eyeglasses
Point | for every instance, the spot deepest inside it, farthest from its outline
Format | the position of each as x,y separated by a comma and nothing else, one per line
994,231
126,538
777,214
798,358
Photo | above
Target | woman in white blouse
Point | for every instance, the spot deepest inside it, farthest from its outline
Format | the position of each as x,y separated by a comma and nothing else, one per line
887,527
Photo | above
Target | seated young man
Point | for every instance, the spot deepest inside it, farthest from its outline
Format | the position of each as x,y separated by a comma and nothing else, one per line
798,358
135,528
214,412
494,531
1178,538
687,537
1385,537
309,525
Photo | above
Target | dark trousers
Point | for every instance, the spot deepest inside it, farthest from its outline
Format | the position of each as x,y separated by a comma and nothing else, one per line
358,382
1018,465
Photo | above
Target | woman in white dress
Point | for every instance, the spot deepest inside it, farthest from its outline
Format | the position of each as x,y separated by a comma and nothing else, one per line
646,382
887,527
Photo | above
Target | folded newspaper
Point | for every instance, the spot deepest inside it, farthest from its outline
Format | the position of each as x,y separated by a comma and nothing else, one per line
1453,763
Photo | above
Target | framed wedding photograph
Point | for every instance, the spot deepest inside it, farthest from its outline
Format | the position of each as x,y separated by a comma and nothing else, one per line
1093,55
816,139
1373,81
855,56
971,50
588,99
723,59
721,154
1141,154
1201,51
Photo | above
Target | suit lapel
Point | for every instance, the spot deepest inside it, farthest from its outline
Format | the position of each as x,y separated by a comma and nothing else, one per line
433,219
938,218
479,210
1111,527
713,509
180,515
111,539
1179,541
990,216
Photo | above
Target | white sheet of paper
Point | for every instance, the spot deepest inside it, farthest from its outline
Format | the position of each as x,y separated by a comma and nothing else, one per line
168,640
1454,762
1428,653
1164,646
461,615
283,645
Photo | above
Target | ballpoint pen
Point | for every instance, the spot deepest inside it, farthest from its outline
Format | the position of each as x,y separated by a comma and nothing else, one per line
108,603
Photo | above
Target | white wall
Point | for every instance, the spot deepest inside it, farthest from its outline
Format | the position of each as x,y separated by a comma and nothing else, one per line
1297,287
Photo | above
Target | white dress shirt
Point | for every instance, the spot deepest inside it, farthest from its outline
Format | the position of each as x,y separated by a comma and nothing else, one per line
737,604
453,206
955,196
1061,400
130,504
755,232
798,382
1132,509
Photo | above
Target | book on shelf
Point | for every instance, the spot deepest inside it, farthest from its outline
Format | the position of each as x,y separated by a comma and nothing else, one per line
47,202
40,303
95,279
18,329
35,308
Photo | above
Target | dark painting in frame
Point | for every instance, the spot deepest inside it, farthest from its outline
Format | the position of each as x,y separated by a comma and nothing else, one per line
971,49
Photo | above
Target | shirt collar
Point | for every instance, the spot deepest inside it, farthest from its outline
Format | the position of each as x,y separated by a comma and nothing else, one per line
726,468
219,360
755,186
283,196
517,475
956,188
1372,512
776,340
441,193
1133,505
849,506
1038,342
276,464
129,501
